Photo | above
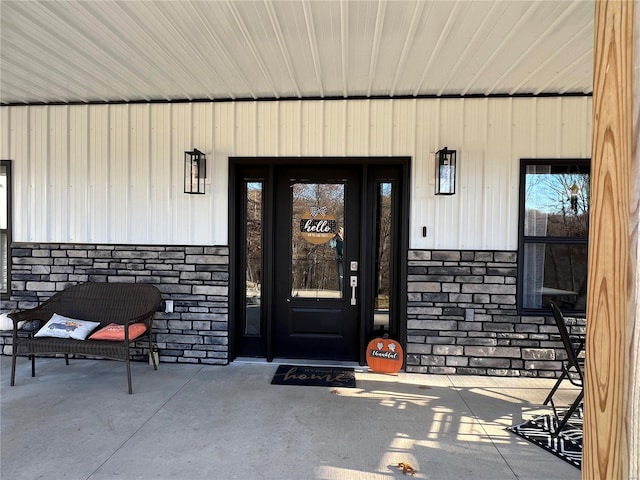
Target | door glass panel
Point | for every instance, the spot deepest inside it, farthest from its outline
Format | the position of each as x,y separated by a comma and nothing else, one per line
384,241
317,240
253,255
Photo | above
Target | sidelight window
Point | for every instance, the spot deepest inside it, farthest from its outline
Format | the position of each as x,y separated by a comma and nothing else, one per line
253,193
5,225
384,243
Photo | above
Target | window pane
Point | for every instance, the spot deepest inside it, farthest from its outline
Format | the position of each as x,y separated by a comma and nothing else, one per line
556,201
253,253
555,272
4,246
317,233
384,230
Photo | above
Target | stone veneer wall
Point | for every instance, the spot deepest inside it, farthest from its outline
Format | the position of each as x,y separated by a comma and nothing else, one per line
195,278
462,318
461,305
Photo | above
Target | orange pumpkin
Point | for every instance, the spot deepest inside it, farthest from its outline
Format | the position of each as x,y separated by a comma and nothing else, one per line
384,355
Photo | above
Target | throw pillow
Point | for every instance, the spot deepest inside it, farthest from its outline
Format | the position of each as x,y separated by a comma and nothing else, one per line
115,332
59,326
6,323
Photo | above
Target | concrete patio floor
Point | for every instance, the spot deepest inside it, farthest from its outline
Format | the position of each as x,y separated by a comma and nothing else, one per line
198,422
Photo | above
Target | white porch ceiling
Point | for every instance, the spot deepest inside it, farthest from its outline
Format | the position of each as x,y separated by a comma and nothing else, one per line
121,51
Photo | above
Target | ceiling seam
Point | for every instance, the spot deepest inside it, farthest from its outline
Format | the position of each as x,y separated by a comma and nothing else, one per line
470,43
498,51
436,47
252,47
375,48
136,21
558,20
213,38
344,40
568,68
408,41
275,24
311,35
83,54
113,39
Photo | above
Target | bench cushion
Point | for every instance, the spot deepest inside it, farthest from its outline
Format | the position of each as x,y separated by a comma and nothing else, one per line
115,332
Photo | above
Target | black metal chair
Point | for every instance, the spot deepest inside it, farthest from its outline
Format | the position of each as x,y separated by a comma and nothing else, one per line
572,369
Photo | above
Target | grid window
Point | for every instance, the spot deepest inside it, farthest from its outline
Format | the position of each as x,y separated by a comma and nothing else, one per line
554,228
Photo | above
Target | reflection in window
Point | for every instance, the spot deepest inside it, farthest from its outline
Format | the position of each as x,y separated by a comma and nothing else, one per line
384,229
556,201
555,226
317,240
253,255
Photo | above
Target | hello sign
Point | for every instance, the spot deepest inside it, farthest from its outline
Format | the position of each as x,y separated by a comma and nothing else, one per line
317,226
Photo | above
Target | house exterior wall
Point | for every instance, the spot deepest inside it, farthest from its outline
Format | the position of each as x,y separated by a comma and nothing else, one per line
114,173
462,318
98,195
461,315
196,278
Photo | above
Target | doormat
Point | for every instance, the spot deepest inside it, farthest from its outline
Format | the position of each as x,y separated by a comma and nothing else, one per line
314,376
567,445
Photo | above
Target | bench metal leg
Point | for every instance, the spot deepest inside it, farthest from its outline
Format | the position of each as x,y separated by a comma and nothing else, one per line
13,369
129,375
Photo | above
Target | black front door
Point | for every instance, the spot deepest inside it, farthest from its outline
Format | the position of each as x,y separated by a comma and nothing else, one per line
317,255
316,263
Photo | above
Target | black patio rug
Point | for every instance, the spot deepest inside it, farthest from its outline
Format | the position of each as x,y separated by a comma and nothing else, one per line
567,445
314,376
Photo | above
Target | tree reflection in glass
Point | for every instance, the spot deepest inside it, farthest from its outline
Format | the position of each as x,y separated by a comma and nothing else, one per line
317,214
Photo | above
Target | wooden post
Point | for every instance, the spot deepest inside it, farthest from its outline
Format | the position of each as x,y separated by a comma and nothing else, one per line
612,394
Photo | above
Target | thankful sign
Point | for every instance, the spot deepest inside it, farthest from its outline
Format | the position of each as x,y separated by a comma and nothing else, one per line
384,355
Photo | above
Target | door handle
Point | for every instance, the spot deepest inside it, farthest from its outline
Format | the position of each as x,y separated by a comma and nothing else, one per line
353,281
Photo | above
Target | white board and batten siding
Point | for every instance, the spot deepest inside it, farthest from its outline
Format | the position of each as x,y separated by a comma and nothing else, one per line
114,173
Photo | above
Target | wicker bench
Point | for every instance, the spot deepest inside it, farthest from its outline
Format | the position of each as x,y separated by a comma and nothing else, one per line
106,303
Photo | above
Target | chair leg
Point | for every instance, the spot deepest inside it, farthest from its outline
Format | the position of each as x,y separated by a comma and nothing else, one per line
569,413
555,387
66,358
33,365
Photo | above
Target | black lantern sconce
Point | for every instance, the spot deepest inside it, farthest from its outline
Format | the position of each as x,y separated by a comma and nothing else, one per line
195,171
445,172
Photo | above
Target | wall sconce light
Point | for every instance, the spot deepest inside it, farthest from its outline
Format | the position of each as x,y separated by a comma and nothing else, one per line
195,171
445,172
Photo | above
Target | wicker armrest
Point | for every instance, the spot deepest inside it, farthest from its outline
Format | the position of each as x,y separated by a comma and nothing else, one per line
27,315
